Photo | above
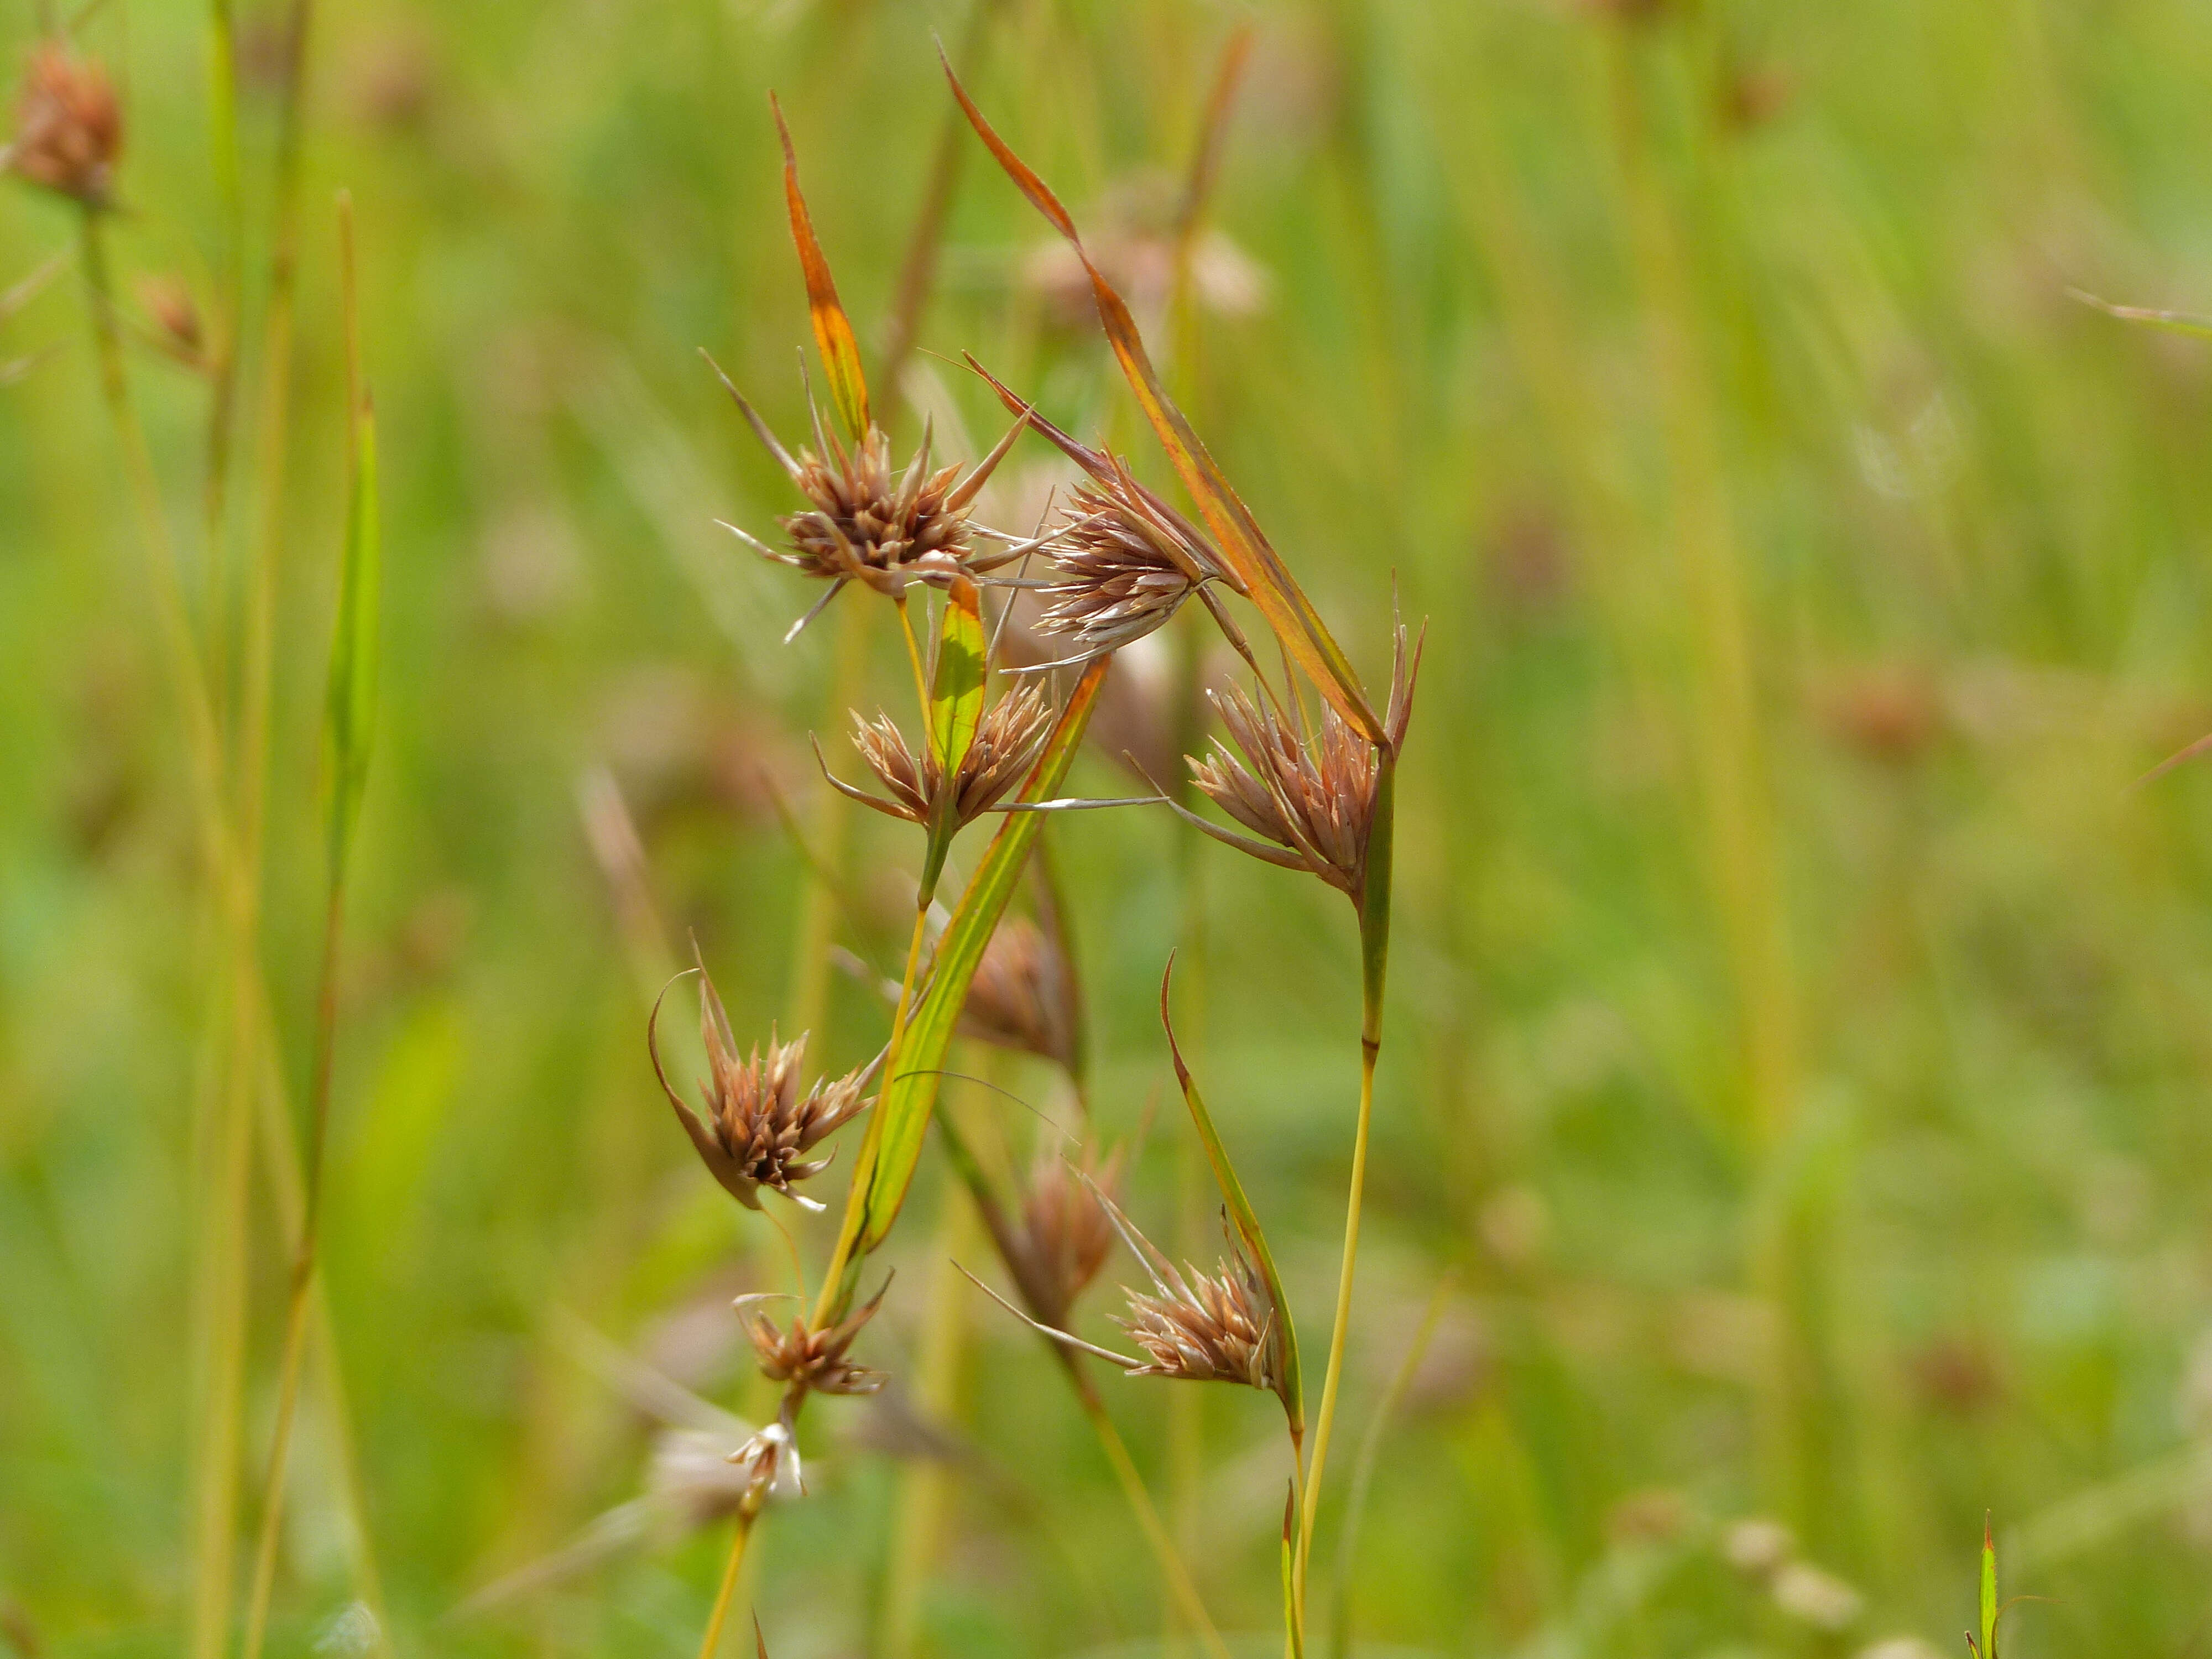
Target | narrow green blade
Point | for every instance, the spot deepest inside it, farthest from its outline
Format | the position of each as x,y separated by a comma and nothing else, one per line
349,703
902,1114
956,690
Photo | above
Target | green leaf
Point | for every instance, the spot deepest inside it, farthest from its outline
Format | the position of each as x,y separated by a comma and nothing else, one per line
901,1117
956,690
349,703
1375,898
1242,1217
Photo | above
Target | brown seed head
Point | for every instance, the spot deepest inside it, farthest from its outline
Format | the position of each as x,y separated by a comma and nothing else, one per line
864,523
1065,1234
1018,997
815,1360
758,1124
1310,796
1123,566
69,127
1008,739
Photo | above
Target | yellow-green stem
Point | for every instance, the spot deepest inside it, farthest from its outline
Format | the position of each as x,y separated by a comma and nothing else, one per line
303,1279
1326,1419
723,1595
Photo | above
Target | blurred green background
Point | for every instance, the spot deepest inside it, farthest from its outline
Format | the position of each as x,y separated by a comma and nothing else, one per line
1799,1046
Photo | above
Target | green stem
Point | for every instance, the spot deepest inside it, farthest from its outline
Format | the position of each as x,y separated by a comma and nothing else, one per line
728,1589
303,1279
1375,961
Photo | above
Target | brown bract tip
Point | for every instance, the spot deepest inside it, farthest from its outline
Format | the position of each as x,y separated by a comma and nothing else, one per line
69,126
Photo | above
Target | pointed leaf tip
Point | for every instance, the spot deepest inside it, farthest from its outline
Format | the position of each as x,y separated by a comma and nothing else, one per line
832,330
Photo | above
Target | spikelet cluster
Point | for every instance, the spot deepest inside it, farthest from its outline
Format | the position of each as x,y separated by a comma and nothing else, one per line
1012,733
803,1357
759,1124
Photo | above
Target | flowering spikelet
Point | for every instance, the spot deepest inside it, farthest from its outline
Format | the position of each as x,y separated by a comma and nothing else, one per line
1020,996
810,1359
1122,564
1065,1234
1011,731
69,127
758,1124
1310,798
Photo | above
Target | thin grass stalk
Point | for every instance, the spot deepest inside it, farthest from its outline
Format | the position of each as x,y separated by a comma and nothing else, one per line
1744,863
728,1590
220,1292
224,317
350,715
1375,959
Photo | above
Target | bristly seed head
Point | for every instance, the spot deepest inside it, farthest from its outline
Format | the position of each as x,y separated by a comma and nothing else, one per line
1123,566
868,524
1312,797
810,1359
1011,731
1222,1328
758,1124
69,127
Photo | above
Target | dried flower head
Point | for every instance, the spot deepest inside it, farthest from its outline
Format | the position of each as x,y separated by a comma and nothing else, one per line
1011,731
1309,797
758,1124
1022,997
806,1359
69,127
1065,1234
1123,563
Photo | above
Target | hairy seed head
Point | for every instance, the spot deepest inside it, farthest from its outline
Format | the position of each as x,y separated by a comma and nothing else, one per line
1311,795
1200,1327
69,127
865,522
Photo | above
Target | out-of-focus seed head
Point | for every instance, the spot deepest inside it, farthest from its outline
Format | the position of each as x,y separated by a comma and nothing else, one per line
1065,1234
758,1124
69,126
175,316
810,1359
1019,997
1122,567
